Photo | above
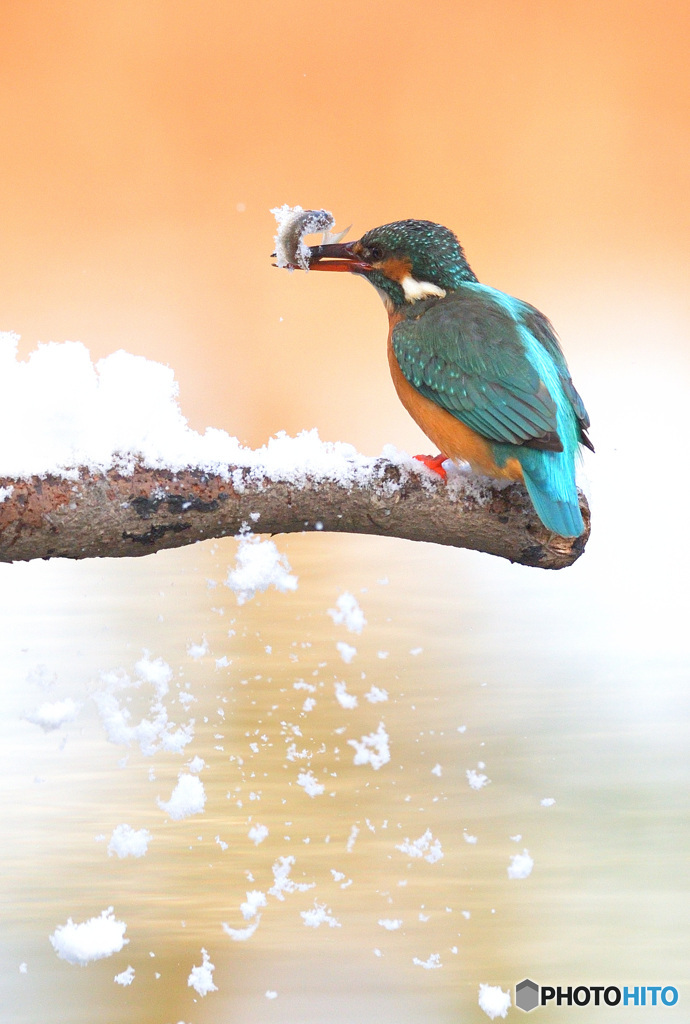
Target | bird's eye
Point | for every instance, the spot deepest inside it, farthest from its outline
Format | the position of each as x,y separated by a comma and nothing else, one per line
376,253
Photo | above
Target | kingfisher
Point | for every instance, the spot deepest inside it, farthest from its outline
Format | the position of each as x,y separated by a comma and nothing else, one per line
482,373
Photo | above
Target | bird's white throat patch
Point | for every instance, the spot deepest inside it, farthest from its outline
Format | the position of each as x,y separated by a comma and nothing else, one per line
415,290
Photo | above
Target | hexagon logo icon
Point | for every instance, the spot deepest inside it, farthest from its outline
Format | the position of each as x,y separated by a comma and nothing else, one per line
527,995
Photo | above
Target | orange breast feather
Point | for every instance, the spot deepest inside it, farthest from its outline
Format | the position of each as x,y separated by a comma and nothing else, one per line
459,442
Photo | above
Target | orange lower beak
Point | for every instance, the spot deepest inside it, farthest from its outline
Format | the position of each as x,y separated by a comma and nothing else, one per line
337,256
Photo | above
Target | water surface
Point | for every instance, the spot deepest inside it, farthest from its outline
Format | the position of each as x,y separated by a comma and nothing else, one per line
541,682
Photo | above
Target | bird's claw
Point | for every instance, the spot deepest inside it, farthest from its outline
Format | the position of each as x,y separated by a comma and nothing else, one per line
434,463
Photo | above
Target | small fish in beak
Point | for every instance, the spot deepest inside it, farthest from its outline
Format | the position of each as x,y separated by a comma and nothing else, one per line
294,224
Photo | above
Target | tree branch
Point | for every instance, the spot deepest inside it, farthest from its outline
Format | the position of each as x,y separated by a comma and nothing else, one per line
114,514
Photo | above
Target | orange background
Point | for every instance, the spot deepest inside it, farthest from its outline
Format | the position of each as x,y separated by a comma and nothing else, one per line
144,143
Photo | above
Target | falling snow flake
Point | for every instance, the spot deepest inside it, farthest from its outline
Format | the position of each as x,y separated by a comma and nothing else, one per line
476,779
309,783
154,671
346,651
126,977
348,613
431,964
198,651
53,714
129,842
201,978
255,899
426,846
319,914
257,833
376,695
241,934
521,865
154,733
373,749
345,699
282,883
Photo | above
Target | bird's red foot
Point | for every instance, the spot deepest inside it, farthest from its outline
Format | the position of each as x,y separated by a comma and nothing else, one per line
434,463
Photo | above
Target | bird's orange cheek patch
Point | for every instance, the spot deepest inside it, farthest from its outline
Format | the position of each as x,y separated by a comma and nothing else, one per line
394,268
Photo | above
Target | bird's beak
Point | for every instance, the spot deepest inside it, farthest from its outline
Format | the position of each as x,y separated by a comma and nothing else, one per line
337,256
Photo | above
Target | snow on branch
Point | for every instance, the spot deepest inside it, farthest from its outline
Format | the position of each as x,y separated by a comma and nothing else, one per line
105,465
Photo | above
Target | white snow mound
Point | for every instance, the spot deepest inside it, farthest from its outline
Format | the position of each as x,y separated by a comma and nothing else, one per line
124,410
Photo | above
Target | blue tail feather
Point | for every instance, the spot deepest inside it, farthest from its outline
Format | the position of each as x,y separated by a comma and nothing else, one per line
550,476
561,515
550,481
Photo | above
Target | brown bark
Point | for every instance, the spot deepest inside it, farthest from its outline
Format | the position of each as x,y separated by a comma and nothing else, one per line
112,515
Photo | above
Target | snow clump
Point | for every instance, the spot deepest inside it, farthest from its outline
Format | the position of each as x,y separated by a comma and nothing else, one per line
426,846
390,924
241,934
52,714
259,566
89,940
309,783
125,977
373,749
476,779
129,842
319,914
282,883
154,733
188,797
347,612
345,699
376,694
201,978
255,899
494,1001
257,833
433,963
521,865
346,651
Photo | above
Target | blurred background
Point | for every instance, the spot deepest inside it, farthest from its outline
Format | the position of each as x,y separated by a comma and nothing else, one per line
144,145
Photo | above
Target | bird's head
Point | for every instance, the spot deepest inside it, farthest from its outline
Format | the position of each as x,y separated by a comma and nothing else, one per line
406,261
